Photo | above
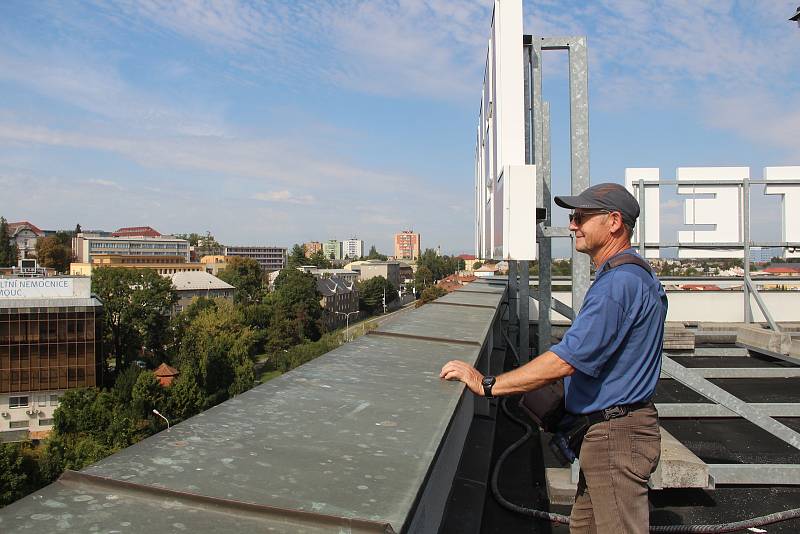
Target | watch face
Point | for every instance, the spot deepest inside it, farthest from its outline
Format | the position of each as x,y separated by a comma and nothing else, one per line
488,380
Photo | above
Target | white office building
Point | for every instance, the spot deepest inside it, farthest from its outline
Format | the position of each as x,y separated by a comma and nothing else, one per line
86,245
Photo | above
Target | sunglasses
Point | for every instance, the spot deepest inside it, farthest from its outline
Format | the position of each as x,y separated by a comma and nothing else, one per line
578,217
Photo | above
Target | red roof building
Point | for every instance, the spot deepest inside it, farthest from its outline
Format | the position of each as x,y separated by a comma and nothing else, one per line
700,287
467,257
14,227
166,374
136,231
791,271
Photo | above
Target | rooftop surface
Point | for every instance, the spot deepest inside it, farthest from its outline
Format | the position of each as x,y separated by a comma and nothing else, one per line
347,439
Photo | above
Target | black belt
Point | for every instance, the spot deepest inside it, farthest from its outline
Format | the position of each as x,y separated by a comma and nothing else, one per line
621,410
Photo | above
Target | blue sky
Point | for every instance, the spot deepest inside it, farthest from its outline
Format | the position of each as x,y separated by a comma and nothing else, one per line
283,122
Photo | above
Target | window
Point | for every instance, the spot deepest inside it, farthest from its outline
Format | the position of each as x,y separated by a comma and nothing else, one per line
18,424
18,402
54,400
46,422
42,400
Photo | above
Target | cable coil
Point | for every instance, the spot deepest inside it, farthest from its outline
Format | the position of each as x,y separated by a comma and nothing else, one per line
564,520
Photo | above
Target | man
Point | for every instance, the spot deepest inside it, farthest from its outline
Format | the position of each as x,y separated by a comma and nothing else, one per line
610,360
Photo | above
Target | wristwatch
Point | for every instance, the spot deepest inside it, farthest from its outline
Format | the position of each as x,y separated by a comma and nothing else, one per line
487,383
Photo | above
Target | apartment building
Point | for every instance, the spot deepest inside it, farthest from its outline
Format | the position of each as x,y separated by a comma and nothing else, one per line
352,248
332,248
406,245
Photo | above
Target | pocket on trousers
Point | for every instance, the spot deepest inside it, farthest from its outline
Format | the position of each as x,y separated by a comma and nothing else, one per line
645,452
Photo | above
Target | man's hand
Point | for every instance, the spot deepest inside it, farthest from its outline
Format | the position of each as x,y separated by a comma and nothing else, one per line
458,370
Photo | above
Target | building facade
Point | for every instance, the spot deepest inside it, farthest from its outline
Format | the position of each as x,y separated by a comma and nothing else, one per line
50,341
387,269
269,258
25,235
196,284
406,245
164,265
86,246
332,248
338,298
352,248
312,247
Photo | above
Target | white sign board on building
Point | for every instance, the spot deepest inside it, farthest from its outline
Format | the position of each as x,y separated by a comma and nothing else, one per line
36,288
505,188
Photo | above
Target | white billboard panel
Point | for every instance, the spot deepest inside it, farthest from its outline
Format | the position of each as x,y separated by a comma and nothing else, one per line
500,140
790,203
718,206
36,288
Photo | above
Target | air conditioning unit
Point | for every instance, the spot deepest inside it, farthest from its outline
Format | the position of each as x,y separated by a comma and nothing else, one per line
5,414
29,412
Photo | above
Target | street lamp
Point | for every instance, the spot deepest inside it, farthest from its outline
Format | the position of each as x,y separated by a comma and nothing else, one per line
162,417
347,321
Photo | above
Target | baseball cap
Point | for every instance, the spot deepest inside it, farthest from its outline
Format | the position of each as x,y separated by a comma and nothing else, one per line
607,196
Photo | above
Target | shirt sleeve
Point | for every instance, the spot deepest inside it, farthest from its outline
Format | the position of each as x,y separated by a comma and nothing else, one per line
595,335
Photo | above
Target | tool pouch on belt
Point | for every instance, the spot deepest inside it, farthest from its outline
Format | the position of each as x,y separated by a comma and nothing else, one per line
545,405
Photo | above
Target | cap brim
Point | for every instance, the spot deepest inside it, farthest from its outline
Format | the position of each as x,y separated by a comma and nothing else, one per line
572,202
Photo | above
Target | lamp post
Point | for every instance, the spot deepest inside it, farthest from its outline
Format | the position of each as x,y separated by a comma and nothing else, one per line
162,417
347,321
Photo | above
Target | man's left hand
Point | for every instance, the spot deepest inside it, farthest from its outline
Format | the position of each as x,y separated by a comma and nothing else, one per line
458,370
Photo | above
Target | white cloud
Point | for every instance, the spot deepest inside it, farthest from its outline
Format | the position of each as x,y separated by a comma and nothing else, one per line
284,196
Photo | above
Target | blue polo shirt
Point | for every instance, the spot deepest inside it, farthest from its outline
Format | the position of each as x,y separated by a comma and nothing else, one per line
615,342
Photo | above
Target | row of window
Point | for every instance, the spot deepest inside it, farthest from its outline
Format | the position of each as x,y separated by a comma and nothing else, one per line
104,245
47,331
26,423
45,379
23,401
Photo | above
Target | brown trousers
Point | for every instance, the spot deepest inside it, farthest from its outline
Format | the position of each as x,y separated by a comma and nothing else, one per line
617,458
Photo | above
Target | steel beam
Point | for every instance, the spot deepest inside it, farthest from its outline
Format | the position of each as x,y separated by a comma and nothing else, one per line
678,410
744,372
720,396
755,474
760,301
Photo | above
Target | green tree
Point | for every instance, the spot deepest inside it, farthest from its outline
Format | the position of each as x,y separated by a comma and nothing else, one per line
296,307
477,265
319,260
19,473
297,257
55,251
217,349
148,394
423,278
185,396
136,308
371,293
373,254
8,249
430,294
245,275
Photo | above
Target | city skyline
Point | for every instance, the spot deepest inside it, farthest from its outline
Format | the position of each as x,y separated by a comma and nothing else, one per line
278,122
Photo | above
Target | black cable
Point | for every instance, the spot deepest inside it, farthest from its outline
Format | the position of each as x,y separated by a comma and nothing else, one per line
786,515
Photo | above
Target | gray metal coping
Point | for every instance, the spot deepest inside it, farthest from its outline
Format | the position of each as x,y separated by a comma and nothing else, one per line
351,435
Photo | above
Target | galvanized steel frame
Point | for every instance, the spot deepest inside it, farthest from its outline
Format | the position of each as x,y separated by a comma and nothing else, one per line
745,191
715,393
537,137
